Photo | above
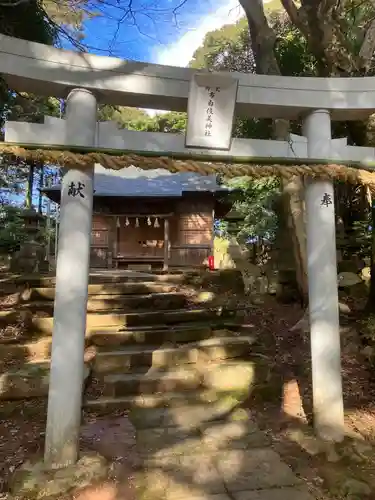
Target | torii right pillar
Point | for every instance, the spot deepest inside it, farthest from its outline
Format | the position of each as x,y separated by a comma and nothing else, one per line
323,293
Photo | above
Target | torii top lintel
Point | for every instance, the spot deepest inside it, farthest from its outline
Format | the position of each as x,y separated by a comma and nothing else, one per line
44,70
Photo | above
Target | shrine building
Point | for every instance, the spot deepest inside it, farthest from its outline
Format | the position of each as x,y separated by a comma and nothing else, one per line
152,219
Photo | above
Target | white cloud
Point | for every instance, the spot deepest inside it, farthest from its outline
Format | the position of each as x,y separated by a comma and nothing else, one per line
181,52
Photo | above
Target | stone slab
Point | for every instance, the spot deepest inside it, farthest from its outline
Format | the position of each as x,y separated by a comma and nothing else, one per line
202,496
157,443
179,477
255,469
183,417
197,414
274,494
233,435
230,376
146,418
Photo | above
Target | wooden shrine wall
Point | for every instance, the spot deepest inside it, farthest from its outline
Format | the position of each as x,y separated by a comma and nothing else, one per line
142,241
100,241
192,232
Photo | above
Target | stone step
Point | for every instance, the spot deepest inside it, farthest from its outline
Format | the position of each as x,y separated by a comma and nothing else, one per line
102,289
157,334
97,321
228,279
129,276
107,405
184,415
235,376
95,278
214,349
120,303
117,335
21,352
31,380
119,385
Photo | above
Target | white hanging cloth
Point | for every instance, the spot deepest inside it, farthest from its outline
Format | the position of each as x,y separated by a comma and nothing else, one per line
127,222
149,221
136,222
156,224
118,222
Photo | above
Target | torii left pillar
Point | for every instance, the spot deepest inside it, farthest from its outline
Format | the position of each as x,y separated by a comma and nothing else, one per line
72,274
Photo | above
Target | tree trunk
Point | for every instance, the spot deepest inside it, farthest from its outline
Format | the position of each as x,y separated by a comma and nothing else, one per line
30,187
41,183
340,48
370,306
295,205
263,40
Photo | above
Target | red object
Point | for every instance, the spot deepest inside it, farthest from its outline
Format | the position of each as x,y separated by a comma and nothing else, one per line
211,262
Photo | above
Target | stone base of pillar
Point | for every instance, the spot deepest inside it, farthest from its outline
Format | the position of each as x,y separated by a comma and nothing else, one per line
53,483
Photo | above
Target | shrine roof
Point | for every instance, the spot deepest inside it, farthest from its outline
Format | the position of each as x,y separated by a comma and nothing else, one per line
135,182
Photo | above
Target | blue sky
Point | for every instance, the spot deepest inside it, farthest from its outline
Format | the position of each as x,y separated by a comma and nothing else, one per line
158,35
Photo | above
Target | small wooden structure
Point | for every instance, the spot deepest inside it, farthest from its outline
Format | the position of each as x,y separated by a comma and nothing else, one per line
152,219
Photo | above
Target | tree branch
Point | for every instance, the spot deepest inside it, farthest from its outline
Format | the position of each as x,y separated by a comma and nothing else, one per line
263,37
294,16
368,47
327,6
13,3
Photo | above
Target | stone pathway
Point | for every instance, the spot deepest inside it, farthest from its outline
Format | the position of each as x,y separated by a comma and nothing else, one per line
187,453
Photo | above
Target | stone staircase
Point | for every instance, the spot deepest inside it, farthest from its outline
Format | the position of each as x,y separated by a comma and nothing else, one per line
153,341
174,357
178,351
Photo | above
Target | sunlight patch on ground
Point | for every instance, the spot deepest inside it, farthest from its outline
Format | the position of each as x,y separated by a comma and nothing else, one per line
292,402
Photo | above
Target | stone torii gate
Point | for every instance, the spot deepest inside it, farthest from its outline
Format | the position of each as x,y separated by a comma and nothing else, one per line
84,79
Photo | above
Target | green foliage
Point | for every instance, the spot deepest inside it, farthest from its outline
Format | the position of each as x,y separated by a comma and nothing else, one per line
226,48
27,20
291,49
69,16
367,333
27,108
12,232
229,48
137,119
362,236
171,122
43,21
46,21
121,114
254,201
12,178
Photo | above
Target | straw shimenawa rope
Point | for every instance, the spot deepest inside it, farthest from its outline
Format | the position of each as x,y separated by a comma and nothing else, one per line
85,160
